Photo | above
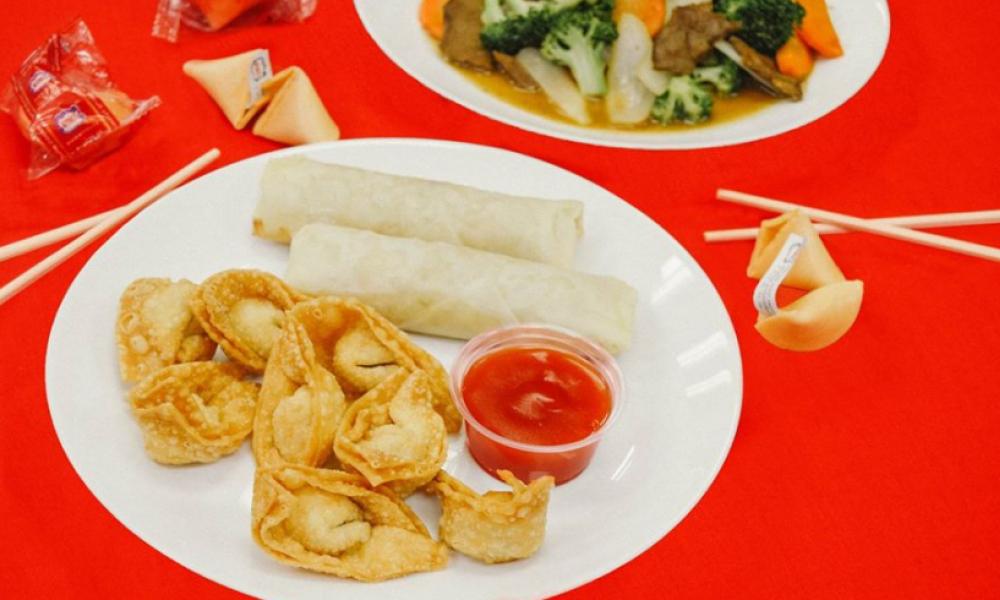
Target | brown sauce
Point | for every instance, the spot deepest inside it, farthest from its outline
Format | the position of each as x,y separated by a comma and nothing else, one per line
727,108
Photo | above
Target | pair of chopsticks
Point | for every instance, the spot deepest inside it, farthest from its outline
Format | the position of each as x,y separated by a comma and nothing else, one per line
89,229
891,227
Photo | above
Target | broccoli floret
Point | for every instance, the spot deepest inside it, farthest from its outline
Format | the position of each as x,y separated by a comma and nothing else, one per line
685,101
511,35
579,40
767,24
725,76
510,25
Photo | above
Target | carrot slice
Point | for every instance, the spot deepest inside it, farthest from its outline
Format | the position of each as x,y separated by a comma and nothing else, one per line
817,30
432,17
794,59
650,12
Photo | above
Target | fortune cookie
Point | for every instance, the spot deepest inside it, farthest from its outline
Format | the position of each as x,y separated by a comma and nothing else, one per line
220,13
813,268
815,320
826,312
296,114
236,83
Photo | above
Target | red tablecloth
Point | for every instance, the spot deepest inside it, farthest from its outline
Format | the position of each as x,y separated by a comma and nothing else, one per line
863,470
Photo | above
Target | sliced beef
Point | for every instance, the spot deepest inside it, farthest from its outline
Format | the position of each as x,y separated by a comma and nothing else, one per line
688,36
460,42
766,71
514,72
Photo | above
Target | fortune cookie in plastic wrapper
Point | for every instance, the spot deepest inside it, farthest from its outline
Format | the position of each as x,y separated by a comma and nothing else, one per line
213,15
219,13
64,102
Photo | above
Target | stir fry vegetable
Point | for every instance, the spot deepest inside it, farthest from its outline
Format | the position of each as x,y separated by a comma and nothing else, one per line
766,24
652,13
817,30
579,39
432,17
648,61
685,101
509,25
794,58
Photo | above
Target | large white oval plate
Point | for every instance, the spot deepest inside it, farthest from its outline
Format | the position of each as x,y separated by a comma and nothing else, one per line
863,27
683,375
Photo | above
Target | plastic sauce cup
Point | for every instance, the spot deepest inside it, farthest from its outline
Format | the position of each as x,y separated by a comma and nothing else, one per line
494,451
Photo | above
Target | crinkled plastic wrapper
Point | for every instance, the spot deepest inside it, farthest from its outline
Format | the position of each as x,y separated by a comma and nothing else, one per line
66,105
213,15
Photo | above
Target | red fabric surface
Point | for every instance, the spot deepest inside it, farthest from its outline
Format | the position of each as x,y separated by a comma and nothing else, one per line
863,470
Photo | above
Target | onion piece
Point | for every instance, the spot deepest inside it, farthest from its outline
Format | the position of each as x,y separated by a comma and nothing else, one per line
557,84
630,96
656,81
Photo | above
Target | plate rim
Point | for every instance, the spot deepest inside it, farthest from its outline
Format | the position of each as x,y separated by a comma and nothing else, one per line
555,588
580,135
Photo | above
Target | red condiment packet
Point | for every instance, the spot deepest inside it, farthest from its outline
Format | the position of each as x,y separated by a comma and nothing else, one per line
212,15
66,105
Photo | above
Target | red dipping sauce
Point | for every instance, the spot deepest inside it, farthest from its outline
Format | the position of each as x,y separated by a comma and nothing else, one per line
536,395
536,400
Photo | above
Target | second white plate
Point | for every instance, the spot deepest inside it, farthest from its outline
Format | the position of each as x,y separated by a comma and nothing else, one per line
683,377
863,27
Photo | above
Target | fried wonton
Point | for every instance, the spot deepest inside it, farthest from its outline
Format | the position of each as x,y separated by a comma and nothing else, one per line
300,405
362,349
496,526
156,329
194,412
244,310
333,522
392,435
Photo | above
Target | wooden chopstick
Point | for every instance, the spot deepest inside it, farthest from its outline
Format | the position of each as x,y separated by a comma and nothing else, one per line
855,223
955,219
118,215
52,235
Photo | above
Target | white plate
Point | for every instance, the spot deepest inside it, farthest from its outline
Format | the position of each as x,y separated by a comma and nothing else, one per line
683,376
863,27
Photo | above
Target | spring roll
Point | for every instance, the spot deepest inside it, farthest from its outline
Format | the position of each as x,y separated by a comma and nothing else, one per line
455,291
296,191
